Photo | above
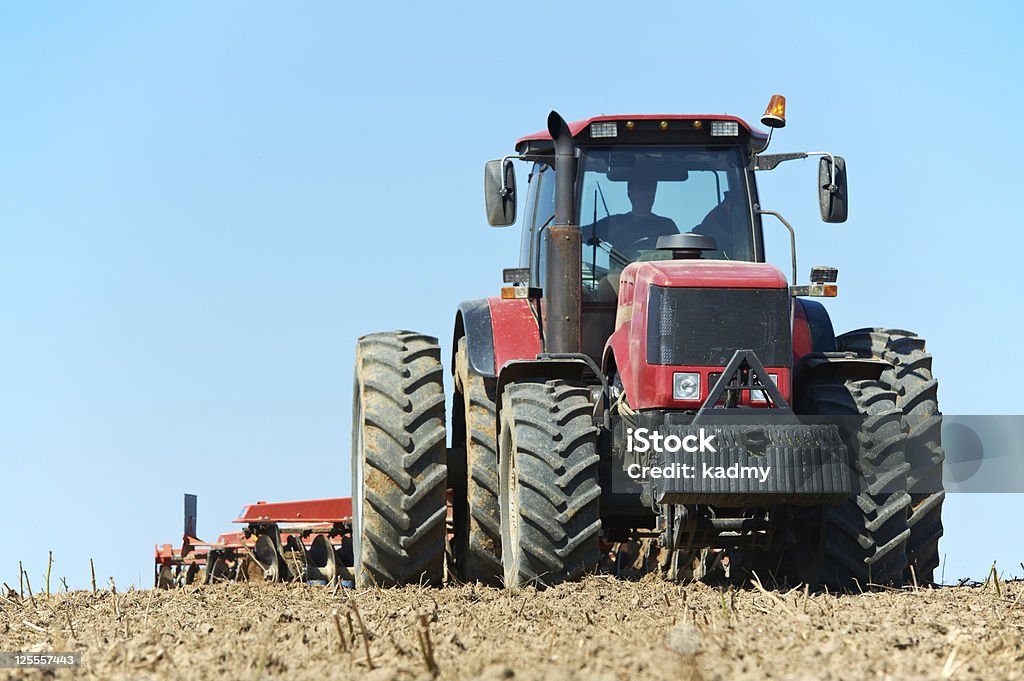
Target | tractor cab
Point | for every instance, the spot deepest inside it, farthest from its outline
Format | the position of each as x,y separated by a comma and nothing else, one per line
637,179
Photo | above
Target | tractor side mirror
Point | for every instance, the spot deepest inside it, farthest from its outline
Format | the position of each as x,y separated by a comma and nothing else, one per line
500,192
832,194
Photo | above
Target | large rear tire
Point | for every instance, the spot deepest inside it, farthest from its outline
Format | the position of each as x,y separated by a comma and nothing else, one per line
917,397
549,491
863,540
399,472
477,541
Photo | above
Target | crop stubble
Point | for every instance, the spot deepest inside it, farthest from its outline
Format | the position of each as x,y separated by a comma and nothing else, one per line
602,628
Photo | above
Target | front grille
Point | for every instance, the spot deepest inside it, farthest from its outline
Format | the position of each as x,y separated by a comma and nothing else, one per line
705,326
805,465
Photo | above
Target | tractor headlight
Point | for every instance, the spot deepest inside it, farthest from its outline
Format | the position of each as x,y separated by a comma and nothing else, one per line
758,396
685,386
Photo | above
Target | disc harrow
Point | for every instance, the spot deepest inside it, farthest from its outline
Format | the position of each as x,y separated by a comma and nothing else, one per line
293,541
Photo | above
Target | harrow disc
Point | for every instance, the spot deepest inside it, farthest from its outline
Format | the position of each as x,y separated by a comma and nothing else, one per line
267,563
218,572
320,560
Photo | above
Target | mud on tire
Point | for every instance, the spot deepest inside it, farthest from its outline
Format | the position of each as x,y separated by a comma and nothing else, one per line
399,471
917,396
549,492
863,540
477,541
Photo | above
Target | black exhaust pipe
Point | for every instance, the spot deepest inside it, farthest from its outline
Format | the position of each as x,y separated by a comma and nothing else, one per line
563,274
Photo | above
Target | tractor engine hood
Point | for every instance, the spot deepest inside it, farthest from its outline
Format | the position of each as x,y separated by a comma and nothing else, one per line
699,274
688,316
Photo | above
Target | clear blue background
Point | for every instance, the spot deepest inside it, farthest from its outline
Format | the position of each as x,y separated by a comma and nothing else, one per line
203,205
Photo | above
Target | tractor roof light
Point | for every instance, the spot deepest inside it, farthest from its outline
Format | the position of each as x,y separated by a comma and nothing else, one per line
775,115
725,128
603,129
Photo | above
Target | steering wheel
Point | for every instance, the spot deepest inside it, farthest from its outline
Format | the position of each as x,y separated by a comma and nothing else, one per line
644,243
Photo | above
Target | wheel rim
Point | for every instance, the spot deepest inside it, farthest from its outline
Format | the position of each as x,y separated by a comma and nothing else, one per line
508,500
357,484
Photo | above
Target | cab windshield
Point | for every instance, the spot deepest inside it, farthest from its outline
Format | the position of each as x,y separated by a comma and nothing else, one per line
630,196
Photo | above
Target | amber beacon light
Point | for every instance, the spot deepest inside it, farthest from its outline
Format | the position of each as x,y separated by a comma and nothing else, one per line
775,115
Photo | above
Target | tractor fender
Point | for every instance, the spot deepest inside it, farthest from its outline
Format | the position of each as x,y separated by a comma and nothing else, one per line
812,329
497,331
540,369
818,366
473,321
616,349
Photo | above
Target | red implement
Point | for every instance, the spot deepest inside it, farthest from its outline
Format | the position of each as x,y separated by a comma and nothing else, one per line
312,511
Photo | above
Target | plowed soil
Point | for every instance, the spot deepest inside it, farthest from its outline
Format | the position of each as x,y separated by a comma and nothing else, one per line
602,628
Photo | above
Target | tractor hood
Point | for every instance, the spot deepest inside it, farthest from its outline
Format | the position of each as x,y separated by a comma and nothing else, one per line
700,273
691,315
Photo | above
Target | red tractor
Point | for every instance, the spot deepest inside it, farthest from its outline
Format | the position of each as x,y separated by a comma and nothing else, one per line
645,374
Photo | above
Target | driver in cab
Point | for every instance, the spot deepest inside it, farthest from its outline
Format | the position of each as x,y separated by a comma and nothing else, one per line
638,230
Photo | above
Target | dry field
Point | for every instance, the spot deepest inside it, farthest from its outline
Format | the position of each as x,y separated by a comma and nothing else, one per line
600,629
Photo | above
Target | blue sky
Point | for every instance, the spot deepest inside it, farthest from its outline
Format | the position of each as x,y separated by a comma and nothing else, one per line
202,207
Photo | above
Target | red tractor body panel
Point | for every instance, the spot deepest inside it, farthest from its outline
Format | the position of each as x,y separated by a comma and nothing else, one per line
516,334
650,385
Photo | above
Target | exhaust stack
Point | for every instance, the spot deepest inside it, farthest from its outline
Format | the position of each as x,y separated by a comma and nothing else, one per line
563,273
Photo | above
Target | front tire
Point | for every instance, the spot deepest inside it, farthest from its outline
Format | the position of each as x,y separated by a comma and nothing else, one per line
477,539
549,492
917,397
399,471
861,541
